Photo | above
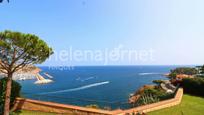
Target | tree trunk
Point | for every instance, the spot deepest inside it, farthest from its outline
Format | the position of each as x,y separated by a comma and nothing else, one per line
7,95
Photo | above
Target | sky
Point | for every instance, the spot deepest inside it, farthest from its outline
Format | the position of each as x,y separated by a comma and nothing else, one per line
174,29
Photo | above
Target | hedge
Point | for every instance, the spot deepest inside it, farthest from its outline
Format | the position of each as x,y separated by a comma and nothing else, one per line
194,86
15,92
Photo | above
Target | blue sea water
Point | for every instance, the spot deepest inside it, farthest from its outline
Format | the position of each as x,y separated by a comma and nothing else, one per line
106,86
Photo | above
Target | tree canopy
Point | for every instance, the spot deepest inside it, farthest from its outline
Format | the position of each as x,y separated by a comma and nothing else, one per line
19,49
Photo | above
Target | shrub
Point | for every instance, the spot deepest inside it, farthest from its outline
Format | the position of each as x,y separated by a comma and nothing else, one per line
158,82
161,94
15,92
142,89
94,106
172,75
151,94
147,99
194,86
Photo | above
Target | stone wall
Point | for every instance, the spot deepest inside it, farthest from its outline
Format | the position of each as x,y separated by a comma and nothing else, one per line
34,105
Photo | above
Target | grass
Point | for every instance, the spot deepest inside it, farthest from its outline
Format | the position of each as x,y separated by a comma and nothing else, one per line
190,105
25,112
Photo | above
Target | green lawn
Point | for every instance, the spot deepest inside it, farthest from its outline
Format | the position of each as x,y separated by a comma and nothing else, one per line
24,112
190,105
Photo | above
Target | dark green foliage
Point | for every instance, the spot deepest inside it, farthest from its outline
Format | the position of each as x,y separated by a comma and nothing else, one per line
158,82
173,75
15,92
152,95
194,86
161,94
147,99
28,48
184,70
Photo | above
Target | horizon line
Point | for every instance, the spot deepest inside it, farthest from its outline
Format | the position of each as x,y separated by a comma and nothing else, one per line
114,65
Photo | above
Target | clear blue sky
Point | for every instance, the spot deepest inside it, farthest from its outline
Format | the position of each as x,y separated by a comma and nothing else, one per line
173,28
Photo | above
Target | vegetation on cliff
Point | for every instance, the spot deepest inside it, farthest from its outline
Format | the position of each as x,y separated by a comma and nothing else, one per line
183,70
192,80
149,94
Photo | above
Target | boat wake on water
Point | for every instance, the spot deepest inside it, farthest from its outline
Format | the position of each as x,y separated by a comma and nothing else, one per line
89,78
150,73
77,89
86,79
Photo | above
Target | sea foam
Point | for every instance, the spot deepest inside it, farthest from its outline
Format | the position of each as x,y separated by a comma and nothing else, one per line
150,73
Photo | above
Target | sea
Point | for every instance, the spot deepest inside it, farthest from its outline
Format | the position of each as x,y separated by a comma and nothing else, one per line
105,86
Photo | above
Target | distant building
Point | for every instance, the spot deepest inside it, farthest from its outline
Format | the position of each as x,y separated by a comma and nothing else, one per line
199,68
200,71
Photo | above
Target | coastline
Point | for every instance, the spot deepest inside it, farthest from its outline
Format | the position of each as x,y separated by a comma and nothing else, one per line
27,73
